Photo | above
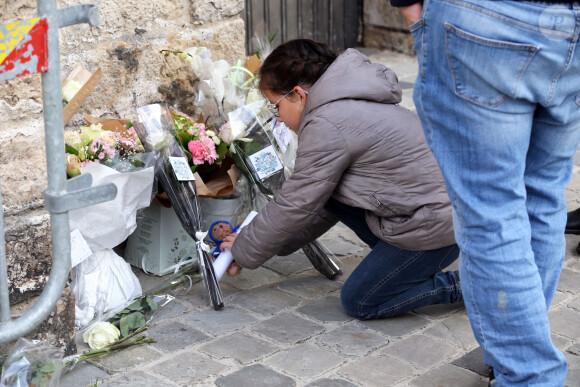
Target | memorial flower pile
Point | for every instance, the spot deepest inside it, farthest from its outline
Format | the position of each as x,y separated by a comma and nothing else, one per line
92,144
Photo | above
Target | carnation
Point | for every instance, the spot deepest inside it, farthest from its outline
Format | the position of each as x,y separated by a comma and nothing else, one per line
203,150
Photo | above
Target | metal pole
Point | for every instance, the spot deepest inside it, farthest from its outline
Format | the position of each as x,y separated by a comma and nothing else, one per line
54,140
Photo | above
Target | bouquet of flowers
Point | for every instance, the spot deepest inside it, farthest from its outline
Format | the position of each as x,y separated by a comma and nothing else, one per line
91,144
203,147
175,177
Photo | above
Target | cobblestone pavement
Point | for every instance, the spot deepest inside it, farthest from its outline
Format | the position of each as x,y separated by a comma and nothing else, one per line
283,325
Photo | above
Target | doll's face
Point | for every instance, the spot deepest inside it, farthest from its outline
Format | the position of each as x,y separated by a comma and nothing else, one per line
221,230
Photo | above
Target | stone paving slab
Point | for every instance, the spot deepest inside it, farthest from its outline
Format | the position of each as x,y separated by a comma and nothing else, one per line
304,362
287,329
189,368
377,371
351,340
283,325
326,309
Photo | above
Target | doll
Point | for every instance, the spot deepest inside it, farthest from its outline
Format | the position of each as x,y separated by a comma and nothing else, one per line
218,231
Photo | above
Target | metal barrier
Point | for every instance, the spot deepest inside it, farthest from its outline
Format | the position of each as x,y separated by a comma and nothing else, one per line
61,195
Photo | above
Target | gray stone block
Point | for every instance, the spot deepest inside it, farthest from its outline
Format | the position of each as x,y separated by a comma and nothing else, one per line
266,301
250,279
454,330
196,296
189,369
448,375
473,361
351,340
256,375
573,376
326,309
290,264
420,351
136,378
304,361
575,349
172,309
560,342
312,286
441,310
221,321
569,281
84,374
127,358
397,326
377,371
565,322
239,346
331,383
174,336
560,298
287,328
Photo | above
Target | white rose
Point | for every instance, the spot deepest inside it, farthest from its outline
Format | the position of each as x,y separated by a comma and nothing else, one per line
70,89
101,334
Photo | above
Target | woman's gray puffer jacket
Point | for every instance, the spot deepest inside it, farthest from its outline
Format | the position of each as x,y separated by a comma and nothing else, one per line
357,145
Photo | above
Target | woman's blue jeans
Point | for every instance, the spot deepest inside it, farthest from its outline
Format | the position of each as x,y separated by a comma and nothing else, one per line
498,94
390,281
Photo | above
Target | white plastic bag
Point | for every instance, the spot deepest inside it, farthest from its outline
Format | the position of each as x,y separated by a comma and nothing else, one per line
104,281
106,225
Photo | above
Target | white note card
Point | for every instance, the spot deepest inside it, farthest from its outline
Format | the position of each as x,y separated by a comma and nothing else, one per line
79,249
181,168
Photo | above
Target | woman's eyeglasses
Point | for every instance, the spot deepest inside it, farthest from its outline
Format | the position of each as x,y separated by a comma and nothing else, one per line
273,107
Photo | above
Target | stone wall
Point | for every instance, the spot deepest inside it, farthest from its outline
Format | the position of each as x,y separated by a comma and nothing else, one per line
385,28
126,46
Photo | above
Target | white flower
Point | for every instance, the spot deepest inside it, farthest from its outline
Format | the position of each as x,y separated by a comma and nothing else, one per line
101,334
70,89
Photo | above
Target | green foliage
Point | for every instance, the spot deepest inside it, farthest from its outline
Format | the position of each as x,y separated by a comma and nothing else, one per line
131,322
133,316
70,149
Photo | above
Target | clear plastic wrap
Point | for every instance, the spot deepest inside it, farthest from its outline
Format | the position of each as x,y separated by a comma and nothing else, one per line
156,132
262,164
32,363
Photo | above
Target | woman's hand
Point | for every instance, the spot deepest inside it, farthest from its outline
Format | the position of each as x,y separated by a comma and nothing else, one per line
234,268
412,12
228,241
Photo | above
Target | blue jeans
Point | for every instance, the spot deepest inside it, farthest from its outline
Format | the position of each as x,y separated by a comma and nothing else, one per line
391,281
498,94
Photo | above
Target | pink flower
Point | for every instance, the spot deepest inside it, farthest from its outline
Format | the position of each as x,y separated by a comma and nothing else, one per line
203,150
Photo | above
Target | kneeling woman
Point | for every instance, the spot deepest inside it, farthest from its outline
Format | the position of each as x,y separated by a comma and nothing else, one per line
363,160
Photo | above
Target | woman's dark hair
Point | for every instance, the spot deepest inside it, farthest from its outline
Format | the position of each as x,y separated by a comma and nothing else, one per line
298,62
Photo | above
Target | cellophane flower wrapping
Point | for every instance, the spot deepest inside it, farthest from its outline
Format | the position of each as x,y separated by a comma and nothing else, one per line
104,281
157,133
32,363
258,158
262,161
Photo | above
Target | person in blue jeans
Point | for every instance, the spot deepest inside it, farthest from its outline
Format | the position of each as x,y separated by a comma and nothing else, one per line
498,94
361,159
